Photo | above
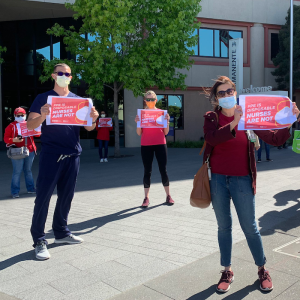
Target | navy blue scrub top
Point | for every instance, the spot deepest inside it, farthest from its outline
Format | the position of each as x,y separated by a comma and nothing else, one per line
58,139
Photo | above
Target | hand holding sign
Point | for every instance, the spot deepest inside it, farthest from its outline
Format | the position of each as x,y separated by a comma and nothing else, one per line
45,110
263,112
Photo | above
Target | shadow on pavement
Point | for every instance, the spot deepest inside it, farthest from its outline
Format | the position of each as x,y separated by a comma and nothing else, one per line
204,294
96,223
243,293
282,199
29,255
93,224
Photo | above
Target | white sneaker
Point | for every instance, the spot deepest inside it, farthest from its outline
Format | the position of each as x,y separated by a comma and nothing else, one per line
71,239
101,160
16,196
31,192
105,160
41,251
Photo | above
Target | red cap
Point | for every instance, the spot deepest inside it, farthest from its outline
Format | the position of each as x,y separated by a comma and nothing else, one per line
19,110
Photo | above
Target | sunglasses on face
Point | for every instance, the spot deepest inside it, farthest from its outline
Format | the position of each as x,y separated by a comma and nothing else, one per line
229,92
62,73
150,99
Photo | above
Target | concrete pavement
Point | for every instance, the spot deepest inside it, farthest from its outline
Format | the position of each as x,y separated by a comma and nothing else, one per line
129,250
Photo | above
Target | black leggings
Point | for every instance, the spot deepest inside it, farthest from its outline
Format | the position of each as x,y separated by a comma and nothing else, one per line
161,156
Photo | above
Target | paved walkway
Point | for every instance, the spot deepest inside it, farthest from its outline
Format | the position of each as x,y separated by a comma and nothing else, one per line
126,247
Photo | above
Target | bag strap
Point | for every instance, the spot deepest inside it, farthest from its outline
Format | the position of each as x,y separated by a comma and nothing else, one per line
204,145
26,142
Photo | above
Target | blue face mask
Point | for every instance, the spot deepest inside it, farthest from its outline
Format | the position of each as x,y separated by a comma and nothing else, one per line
227,102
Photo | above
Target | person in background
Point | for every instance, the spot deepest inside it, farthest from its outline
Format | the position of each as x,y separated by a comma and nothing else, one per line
103,138
267,148
154,141
12,140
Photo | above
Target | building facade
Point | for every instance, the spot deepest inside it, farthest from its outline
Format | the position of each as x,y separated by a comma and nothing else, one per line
23,25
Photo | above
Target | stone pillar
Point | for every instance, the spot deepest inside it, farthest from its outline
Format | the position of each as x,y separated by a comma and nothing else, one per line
257,56
131,104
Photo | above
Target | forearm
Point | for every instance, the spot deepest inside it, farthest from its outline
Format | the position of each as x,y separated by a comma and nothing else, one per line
35,122
166,130
139,131
90,128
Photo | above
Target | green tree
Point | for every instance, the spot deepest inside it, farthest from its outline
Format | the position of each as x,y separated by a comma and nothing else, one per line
282,60
132,44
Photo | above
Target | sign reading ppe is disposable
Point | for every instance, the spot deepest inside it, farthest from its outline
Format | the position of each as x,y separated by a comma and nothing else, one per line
263,112
24,132
105,122
69,111
152,118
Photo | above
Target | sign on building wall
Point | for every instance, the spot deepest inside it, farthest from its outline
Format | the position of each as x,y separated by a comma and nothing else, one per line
236,61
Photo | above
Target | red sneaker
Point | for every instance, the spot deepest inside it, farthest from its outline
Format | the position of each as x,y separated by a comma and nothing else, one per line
169,200
266,284
146,202
225,281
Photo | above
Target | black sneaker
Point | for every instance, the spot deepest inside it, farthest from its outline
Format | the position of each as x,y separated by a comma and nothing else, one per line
269,159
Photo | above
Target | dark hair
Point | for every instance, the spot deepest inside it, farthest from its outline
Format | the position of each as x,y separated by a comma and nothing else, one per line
60,65
211,93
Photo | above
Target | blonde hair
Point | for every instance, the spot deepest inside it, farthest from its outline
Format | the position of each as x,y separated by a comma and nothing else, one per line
150,93
61,65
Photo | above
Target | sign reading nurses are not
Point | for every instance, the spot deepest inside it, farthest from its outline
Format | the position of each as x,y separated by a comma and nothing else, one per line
24,132
264,112
152,118
69,111
105,122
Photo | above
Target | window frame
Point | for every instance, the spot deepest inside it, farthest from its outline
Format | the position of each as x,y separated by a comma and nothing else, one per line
182,108
214,29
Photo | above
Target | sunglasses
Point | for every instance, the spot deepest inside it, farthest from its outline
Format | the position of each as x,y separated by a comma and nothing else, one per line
229,92
62,73
150,99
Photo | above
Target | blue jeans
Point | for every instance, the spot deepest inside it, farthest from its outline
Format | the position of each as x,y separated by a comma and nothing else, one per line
101,145
24,165
239,188
267,147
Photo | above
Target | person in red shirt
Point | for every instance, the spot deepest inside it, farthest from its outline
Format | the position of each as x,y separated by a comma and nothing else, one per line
103,138
153,140
233,176
12,140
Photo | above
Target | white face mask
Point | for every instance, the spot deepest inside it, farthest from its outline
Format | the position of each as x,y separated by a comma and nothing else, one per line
63,81
20,119
103,116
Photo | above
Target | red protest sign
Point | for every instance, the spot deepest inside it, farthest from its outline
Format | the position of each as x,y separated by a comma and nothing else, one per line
105,122
24,132
263,112
152,118
69,111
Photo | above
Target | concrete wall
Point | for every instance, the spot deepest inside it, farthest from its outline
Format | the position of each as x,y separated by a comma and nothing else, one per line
257,11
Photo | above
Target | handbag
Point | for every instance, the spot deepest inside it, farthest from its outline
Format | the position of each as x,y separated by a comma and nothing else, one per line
18,153
200,195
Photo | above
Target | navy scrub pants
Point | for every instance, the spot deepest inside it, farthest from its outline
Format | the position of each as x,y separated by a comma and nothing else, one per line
52,173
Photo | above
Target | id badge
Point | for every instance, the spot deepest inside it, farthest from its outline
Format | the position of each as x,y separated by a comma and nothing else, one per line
251,136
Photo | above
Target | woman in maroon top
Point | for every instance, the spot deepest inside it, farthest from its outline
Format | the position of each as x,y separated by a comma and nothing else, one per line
103,138
153,141
232,160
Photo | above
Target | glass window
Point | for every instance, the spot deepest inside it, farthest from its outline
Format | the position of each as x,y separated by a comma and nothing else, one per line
215,42
56,50
274,45
206,42
174,105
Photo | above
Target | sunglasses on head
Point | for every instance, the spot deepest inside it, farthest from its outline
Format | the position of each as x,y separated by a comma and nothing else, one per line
150,99
229,92
62,73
